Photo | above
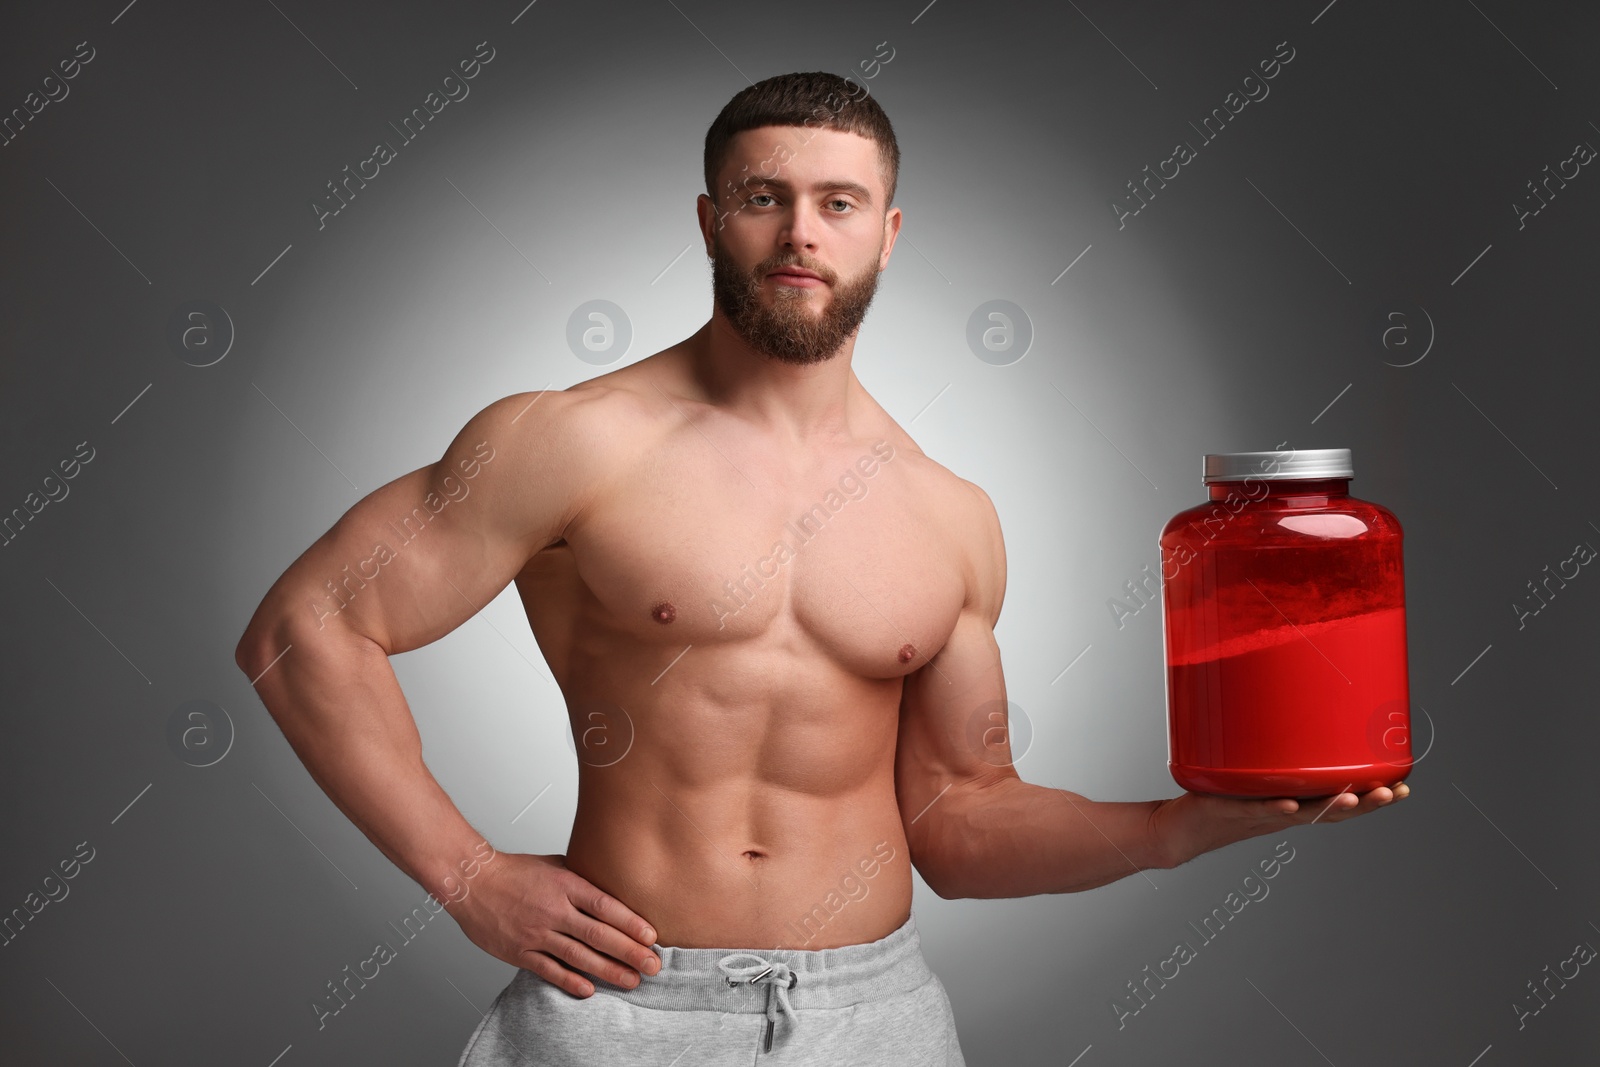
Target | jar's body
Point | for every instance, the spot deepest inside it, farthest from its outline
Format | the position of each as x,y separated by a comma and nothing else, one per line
1284,617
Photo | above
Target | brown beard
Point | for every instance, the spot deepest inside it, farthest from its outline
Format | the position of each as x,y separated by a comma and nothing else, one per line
786,331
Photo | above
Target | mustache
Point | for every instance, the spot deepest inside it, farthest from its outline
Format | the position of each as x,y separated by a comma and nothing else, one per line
780,262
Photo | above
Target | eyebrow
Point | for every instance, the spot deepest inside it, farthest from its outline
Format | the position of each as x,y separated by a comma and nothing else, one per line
861,192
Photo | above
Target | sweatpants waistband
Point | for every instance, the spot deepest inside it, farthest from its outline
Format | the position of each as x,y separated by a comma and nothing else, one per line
720,979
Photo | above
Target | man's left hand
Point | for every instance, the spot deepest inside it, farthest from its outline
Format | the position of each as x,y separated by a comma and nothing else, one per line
1194,823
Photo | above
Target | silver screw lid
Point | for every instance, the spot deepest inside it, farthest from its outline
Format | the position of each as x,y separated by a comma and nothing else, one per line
1296,464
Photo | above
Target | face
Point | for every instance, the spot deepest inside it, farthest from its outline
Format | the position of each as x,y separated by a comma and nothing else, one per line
813,205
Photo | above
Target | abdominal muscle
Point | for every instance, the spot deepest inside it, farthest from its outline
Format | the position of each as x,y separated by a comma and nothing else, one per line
770,828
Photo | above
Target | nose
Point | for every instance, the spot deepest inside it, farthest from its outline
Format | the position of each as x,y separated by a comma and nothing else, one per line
800,228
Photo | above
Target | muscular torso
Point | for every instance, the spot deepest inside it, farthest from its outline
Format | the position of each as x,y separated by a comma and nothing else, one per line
730,620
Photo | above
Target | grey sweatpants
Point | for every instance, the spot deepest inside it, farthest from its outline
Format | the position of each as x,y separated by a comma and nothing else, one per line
873,1005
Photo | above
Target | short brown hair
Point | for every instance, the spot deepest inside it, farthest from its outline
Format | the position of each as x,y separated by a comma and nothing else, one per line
814,99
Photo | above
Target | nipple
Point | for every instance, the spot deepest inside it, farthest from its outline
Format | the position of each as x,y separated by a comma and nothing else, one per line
664,612
907,653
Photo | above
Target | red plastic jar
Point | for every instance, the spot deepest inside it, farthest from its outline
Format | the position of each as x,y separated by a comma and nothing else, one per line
1283,606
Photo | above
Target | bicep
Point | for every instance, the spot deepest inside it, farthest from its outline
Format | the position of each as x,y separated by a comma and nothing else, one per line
953,718
419,556
954,726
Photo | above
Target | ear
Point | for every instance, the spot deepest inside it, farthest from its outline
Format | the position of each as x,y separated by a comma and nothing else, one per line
891,225
706,215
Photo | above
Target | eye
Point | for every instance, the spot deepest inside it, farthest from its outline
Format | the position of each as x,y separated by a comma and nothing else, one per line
759,196
848,205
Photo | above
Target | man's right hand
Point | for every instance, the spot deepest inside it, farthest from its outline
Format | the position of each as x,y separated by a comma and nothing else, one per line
534,913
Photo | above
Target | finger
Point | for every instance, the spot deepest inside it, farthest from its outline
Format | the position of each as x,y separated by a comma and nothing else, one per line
612,927
1331,809
1384,795
580,956
546,967
609,953
608,909
1370,801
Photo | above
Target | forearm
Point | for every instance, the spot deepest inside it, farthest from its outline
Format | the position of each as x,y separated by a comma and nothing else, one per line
336,699
1010,838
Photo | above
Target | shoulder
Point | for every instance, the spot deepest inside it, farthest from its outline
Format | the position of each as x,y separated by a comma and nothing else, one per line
593,421
945,490
964,510
578,427
982,545
559,447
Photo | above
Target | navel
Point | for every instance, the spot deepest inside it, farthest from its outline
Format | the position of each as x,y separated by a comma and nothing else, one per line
664,612
907,653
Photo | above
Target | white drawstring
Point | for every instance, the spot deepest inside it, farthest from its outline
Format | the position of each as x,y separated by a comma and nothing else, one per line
779,979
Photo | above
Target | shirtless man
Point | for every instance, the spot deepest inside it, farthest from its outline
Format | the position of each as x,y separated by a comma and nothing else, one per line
776,610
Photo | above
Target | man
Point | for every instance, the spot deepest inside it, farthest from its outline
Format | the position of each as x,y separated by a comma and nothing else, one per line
778,613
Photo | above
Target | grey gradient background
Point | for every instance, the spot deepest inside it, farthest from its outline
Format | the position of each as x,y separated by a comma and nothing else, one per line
1253,293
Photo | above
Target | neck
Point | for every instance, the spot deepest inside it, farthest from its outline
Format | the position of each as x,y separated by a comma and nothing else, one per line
802,402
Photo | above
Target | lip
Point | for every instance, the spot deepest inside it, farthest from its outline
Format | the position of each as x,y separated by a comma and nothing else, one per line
796,276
